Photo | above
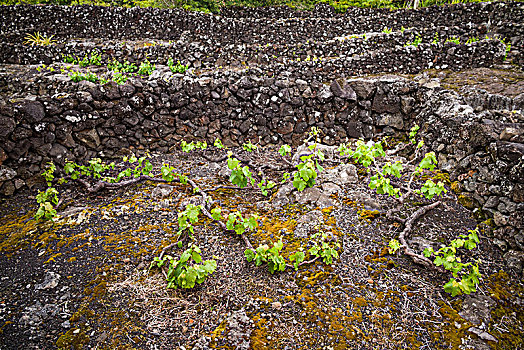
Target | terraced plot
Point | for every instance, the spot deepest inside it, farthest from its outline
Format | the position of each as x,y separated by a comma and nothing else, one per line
113,83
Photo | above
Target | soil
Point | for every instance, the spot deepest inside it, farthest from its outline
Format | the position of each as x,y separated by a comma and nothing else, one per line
83,282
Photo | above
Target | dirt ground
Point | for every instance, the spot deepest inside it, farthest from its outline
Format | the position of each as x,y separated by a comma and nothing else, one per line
84,282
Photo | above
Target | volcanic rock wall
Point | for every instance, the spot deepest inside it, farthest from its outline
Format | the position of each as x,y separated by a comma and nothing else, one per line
247,26
237,30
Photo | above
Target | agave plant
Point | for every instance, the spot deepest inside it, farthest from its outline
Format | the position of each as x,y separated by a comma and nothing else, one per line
38,39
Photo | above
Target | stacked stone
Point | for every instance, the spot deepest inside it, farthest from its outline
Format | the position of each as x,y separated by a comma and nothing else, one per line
274,26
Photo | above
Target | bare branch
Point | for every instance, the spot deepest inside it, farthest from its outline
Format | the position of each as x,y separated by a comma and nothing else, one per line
417,258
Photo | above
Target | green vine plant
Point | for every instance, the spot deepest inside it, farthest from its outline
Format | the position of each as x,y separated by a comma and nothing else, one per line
46,204
436,39
218,144
93,59
124,67
368,154
188,217
187,270
306,173
146,68
249,147
466,276
270,255
188,147
416,41
178,67
285,150
47,200
240,175
321,248
96,170
453,39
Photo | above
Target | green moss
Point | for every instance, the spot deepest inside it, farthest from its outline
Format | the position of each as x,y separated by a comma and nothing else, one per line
456,187
368,215
467,202
74,338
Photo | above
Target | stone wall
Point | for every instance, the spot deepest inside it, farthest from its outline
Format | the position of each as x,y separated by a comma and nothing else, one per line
198,55
129,23
278,26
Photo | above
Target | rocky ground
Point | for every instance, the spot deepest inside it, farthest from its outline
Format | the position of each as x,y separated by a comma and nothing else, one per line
83,282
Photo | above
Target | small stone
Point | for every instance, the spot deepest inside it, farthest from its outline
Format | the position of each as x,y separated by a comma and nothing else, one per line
161,191
508,133
277,305
500,220
50,281
6,173
488,337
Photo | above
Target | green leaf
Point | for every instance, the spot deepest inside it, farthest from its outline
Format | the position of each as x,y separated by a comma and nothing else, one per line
216,214
428,252
231,219
452,287
249,254
196,257
232,163
185,256
438,261
394,245
304,174
284,150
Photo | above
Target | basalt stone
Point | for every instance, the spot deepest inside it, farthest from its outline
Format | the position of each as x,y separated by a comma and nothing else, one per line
7,189
325,94
84,107
364,89
21,133
6,173
84,97
407,104
346,92
393,120
354,130
137,101
386,103
58,151
89,137
110,91
34,111
7,125
510,151
518,193
3,156
232,101
127,90
53,109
